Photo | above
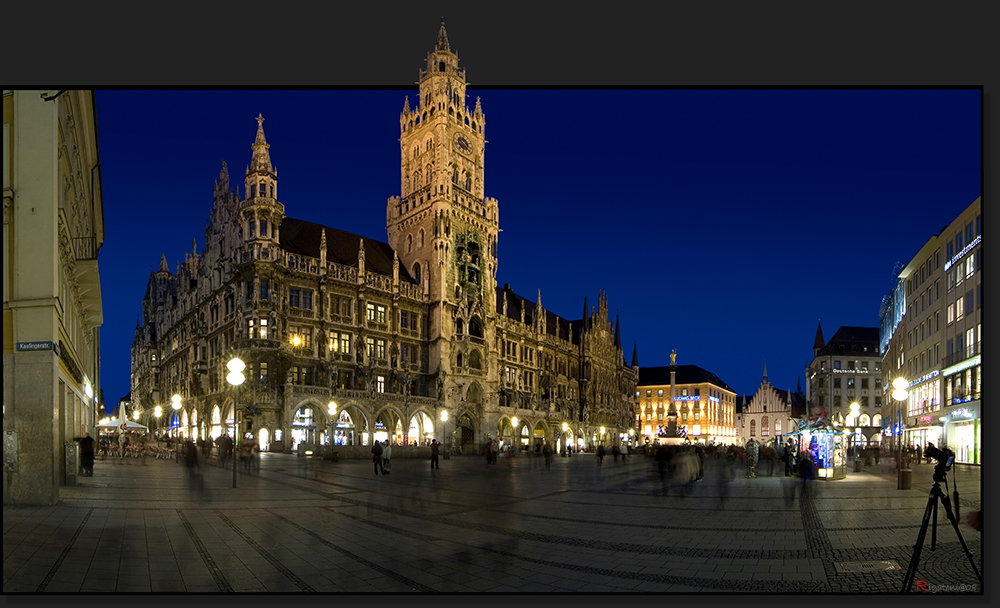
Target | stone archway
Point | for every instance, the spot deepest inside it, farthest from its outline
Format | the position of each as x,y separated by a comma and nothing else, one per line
465,434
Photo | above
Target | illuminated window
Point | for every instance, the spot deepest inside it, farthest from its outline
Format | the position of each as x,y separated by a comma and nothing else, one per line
380,348
370,342
263,329
371,311
345,344
951,314
959,308
380,314
753,428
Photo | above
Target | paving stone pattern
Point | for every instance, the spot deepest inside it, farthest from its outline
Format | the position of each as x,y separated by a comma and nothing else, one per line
308,526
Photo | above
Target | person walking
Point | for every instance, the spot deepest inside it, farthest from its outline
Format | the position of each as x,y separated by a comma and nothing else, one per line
600,455
377,457
386,455
87,455
435,449
752,452
547,453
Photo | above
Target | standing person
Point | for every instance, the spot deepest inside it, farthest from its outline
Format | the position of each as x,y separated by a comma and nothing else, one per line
435,449
787,456
616,452
377,457
87,455
600,455
386,455
662,457
246,453
494,450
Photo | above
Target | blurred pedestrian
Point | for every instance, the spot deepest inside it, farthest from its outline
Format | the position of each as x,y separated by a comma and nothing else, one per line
377,457
751,454
616,452
87,455
547,453
435,450
807,472
662,458
699,453
600,455
386,455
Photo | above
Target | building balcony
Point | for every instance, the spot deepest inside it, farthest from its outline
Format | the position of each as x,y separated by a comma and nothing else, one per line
256,343
966,353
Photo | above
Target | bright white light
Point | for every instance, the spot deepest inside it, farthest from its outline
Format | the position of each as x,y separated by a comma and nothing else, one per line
855,407
176,399
87,389
236,365
444,415
900,383
565,427
158,411
331,409
513,422
235,378
603,430
900,395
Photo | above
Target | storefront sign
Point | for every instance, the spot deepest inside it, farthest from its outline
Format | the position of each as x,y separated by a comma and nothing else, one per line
925,419
964,365
963,412
925,377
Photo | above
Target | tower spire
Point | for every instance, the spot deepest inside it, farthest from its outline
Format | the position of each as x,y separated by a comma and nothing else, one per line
618,336
635,356
819,342
261,160
442,41
765,371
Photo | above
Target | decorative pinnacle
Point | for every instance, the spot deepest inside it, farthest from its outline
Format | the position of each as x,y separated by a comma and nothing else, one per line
442,41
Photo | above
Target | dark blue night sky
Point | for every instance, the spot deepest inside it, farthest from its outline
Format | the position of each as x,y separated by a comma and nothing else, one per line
721,223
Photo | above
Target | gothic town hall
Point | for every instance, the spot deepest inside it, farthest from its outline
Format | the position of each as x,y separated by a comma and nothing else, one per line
349,340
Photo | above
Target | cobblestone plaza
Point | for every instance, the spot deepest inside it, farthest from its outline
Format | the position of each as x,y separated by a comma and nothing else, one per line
308,525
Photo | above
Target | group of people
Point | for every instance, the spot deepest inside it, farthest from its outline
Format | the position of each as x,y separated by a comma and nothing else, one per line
381,457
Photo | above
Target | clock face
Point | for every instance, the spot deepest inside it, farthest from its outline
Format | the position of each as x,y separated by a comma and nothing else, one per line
463,144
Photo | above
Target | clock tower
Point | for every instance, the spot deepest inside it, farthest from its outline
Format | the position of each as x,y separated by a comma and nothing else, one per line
443,227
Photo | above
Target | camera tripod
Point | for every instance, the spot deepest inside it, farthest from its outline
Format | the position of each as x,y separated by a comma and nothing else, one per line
935,496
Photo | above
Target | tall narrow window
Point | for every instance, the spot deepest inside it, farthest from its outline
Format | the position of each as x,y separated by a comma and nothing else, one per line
263,329
263,289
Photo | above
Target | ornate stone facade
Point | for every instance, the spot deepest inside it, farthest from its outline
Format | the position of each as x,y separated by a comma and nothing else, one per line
53,231
394,334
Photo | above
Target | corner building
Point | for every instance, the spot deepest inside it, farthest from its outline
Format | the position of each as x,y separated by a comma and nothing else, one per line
704,406
932,339
847,370
53,230
392,334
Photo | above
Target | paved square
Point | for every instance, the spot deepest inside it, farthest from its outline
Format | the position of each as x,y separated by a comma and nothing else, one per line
307,525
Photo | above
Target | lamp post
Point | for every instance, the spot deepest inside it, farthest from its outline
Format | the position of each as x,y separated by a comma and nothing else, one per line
515,439
235,378
899,394
175,403
447,437
854,438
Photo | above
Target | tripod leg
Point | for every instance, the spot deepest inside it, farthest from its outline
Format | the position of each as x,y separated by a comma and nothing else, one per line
934,528
954,524
911,570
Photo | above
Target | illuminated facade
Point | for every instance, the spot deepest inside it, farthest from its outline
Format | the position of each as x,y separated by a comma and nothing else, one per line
936,343
705,405
848,370
769,413
396,333
53,229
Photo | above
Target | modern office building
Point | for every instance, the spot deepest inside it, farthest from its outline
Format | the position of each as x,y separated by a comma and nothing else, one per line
53,229
349,340
704,405
931,339
845,371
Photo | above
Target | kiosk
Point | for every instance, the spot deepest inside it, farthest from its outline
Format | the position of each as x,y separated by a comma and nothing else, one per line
827,449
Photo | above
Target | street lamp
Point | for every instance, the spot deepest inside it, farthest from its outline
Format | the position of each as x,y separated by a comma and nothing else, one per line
854,419
331,411
235,378
516,438
444,427
899,394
